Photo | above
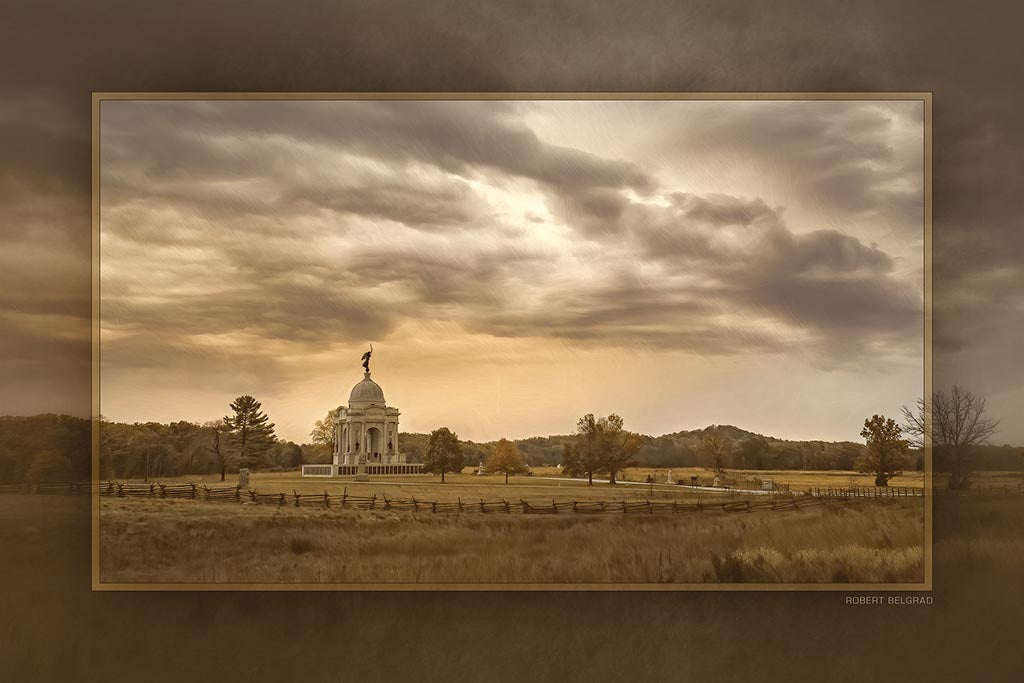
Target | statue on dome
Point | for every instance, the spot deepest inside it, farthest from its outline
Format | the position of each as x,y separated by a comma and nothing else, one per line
366,358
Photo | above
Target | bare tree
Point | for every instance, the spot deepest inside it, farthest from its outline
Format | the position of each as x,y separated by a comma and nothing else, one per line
716,448
218,445
957,425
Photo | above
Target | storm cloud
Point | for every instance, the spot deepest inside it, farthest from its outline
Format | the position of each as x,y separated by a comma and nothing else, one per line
308,221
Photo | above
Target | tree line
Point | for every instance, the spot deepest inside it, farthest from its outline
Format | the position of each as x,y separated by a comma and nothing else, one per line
53,447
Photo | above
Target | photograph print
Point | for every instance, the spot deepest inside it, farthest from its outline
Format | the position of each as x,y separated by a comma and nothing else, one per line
472,342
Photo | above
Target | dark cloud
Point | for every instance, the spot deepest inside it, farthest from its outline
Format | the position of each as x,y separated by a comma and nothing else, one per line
309,221
874,47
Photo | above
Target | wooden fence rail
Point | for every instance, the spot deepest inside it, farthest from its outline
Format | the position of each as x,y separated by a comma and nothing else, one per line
345,500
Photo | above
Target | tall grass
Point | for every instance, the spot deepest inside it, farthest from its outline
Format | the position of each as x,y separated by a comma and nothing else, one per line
180,541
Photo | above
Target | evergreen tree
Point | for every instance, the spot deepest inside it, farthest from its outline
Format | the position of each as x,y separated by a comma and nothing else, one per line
505,459
444,453
249,431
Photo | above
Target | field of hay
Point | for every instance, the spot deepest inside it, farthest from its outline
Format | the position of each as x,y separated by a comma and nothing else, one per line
186,541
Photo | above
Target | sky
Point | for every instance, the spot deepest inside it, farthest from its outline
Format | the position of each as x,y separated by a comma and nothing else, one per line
515,264
50,67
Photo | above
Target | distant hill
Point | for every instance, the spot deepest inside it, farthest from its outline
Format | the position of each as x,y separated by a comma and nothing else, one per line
682,449
56,447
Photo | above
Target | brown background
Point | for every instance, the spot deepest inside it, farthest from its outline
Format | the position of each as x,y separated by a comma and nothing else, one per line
51,625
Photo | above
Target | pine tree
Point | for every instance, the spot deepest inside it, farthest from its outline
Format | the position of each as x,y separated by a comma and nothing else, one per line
444,453
249,431
505,459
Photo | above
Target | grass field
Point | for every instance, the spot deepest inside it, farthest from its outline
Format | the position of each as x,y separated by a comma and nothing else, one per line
547,482
188,541
468,487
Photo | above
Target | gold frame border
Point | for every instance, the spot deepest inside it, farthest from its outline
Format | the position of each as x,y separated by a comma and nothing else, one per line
923,96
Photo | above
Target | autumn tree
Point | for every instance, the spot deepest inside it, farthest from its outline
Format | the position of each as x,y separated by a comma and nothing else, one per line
505,459
957,427
716,448
443,454
250,432
322,436
886,453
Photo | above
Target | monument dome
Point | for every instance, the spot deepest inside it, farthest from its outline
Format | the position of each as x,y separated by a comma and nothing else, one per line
366,391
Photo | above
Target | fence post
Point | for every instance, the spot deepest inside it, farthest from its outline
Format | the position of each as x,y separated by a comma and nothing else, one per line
344,495
193,490
415,505
458,510
327,500
482,509
238,494
373,502
252,495
507,510
554,507
280,501
433,507
297,497
163,491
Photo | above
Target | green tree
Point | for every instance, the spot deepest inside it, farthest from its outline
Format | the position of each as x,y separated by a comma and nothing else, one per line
250,431
886,452
182,437
443,454
599,445
751,452
505,459
620,446
584,455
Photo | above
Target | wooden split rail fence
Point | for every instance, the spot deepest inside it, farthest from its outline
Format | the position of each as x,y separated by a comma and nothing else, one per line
345,500
813,496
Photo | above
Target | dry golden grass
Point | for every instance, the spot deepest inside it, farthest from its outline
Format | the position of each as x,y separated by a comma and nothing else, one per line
187,541
798,480
468,487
